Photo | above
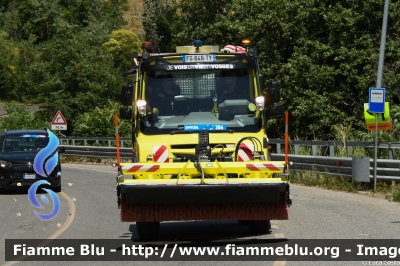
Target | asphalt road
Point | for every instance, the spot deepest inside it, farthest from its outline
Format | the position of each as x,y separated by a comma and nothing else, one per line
89,211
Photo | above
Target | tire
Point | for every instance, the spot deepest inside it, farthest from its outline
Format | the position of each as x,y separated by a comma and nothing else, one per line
148,230
260,227
243,222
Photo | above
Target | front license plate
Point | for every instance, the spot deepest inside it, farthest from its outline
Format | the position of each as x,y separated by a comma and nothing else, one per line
199,58
29,176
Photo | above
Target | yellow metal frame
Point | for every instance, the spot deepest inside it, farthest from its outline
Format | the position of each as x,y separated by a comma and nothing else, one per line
186,172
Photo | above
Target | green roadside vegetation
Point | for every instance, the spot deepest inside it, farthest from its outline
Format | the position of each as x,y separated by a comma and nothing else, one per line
388,190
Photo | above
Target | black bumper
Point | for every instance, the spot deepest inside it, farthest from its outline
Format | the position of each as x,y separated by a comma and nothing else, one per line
26,183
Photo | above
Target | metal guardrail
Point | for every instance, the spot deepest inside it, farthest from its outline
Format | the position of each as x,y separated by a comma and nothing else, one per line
387,169
96,152
331,146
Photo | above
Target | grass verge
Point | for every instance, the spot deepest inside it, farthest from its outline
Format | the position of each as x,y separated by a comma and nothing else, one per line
389,190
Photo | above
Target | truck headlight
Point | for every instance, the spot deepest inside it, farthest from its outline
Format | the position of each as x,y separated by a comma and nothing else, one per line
141,105
260,103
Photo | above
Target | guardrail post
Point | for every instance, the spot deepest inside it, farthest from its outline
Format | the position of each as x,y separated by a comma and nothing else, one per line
314,150
392,152
331,149
278,148
360,169
296,149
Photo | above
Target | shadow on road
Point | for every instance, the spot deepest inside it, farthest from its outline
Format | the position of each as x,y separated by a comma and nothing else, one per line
203,233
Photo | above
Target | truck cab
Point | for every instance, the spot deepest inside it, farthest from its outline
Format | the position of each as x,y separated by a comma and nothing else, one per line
199,119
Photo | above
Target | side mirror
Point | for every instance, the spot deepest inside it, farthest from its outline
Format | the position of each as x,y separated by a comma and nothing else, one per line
61,149
275,87
277,110
127,94
125,113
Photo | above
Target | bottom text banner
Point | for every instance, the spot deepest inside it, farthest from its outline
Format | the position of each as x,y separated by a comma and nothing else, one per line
365,250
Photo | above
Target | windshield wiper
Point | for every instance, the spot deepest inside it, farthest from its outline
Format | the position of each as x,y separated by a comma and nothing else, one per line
196,131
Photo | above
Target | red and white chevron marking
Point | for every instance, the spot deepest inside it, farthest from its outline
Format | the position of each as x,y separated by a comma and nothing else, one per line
245,151
235,49
160,154
264,166
140,168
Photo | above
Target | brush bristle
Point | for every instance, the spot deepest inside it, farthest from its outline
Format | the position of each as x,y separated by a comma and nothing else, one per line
186,212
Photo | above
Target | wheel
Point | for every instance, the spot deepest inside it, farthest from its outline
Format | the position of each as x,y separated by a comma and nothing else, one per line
243,222
260,227
148,230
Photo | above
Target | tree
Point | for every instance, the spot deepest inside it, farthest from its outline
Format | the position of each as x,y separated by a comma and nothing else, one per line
156,22
121,45
324,53
20,118
55,56
14,58
100,122
201,20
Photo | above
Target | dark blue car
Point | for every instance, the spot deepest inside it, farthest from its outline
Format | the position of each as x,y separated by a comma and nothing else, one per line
18,149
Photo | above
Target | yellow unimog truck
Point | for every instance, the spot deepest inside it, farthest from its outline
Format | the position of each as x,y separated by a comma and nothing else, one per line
199,122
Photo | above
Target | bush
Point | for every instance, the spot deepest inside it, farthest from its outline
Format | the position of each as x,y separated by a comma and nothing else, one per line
20,118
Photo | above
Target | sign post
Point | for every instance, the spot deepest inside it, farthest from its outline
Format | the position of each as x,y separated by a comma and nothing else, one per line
380,74
59,122
377,106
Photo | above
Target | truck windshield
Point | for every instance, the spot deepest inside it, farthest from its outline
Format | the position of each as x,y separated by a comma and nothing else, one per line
200,99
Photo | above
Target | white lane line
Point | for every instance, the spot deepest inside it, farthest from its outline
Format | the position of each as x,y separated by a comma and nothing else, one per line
67,223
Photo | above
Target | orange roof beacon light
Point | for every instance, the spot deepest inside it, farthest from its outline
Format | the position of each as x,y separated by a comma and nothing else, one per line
246,43
146,46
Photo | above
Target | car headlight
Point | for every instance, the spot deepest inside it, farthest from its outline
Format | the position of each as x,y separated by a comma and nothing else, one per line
5,164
